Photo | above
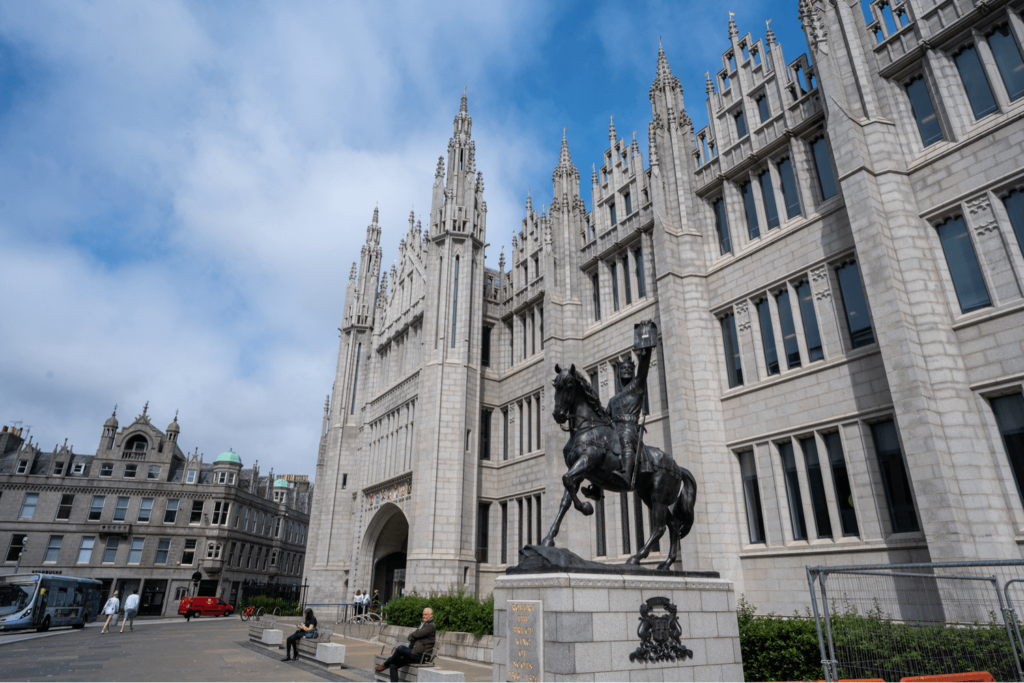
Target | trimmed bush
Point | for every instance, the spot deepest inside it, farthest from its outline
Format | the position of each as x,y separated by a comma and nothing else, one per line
454,610
288,609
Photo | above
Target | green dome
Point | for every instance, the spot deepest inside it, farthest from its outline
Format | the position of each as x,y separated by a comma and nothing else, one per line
281,483
229,456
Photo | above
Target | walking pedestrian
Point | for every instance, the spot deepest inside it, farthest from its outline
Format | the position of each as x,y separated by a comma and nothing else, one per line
307,629
110,609
131,610
366,602
357,602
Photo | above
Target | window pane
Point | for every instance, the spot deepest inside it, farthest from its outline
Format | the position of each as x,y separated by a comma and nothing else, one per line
963,265
841,480
455,300
732,351
611,211
85,549
721,226
615,286
629,204
979,93
823,164
796,506
96,509
171,512
822,523
110,551
641,286
596,295
28,508
1008,59
53,549
135,552
163,546
762,108
894,477
1014,203
789,342
485,347
750,210
145,509
752,496
741,125
1009,411
811,334
66,502
856,306
924,111
771,356
625,279
121,510
789,193
768,195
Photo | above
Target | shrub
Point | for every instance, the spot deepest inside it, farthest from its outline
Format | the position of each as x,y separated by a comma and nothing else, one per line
454,610
778,648
287,609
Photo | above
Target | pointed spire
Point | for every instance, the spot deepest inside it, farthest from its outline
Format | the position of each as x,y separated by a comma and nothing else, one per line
611,130
501,262
439,173
593,174
145,409
664,70
770,36
479,181
564,158
733,31
114,414
709,86
529,203
463,109
376,213
352,274
652,145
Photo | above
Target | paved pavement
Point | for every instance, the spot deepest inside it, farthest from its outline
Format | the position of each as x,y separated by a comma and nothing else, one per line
176,650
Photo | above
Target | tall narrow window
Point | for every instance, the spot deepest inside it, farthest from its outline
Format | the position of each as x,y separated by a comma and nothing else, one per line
135,550
67,500
533,332
823,165
455,301
28,506
625,279
972,74
485,347
789,193
771,355
963,265
611,212
638,260
856,306
796,505
110,550
732,351
721,226
597,296
741,125
536,500
520,428
511,344
536,402
504,533
924,111
355,379
529,520
485,435
1014,203
526,346
145,510
482,524
894,477
1009,412
629,204
841,481
53,549
752,497
762,108
615,286
504,433
529,425
85,549
1008,59
768,195
624,514
121,509
789,343
170,512
750,210
540,313
822,523
811,334
163,547
520,518
601,540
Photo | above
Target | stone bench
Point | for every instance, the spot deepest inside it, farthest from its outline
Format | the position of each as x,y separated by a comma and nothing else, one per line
265,632
321,651
422,672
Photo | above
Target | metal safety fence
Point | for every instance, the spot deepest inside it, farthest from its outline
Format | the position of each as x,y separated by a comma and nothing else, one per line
899,620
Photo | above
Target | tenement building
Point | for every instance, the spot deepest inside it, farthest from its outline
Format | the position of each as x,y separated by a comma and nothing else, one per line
142,514
834,264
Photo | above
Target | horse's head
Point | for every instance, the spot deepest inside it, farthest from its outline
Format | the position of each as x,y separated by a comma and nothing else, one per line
564,392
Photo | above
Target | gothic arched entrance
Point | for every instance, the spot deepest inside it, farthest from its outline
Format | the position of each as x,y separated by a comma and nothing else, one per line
384,548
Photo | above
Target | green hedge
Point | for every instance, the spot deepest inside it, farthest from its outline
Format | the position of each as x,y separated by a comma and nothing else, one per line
288,609
454,610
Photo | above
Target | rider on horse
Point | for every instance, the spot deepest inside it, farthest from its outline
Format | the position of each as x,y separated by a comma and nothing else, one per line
625,408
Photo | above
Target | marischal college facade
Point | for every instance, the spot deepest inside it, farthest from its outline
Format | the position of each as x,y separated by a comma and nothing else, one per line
835,267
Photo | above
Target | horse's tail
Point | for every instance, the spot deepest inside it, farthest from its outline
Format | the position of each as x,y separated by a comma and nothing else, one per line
682,511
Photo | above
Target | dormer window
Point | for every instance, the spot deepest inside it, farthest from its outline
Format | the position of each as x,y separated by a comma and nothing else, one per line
58,469
135,448
231,478
79,468
190,478
222,477
22,466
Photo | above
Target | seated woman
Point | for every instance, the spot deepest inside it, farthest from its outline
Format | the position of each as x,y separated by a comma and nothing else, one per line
303,630
421,641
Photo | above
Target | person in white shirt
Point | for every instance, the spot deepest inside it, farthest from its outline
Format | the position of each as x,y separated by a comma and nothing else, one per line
357,602
366,602
110,609
131,610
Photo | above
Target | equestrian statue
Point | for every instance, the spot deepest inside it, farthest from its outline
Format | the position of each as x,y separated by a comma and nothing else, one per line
606,448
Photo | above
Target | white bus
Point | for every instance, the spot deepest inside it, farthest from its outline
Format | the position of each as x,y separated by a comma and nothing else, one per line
40,601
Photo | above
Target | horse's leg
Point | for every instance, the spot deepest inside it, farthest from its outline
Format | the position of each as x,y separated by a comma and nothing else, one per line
572,479
659,511
549,540
673,547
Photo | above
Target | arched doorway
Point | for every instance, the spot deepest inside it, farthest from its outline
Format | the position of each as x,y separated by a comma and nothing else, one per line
385,545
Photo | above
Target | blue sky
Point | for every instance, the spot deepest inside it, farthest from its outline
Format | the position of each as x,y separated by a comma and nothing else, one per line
184,186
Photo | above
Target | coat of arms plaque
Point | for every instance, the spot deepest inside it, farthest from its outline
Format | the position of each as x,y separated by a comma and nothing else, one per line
659,633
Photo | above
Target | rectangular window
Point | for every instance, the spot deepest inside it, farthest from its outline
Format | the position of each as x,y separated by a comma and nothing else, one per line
529,521
810,320
504,433
277,528
58,469
188,554
130,470
972,75
894,477
841,480
171,512
455,305
64,510
924,111
625,279
23,466
96,508
721,226
1008,59
762,108
771,355
78,468
85,549
796,505
14,550
28,506
529,425
504,533
344,485
629,204
789,343
107,469
53,549
768,195
482,523
485,347
222,477
216,513
248,558
823,164
732,351
750,210
597,296
1014,203
789,193
741,125
154,472
196,515
611,212
856,306
536,500
191,477
145,510
110,550
615,286
540,313
638,260
135,550
485,435
121,509
822,523
163,547
963,265
1009,412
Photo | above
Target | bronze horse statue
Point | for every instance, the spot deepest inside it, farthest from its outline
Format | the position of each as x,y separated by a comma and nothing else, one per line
668,490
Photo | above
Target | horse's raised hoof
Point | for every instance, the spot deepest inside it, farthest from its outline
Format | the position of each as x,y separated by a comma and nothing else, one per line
548,541
664,566
633,560
586,508
591,492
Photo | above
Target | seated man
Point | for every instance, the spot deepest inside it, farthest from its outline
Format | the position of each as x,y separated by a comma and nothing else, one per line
421,641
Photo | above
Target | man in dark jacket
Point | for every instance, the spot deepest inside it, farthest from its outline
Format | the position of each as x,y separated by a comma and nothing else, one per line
421,641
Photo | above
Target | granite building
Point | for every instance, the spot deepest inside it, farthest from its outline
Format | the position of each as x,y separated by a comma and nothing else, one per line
835,264
141,513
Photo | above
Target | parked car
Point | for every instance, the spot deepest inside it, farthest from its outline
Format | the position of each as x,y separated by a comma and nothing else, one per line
204,606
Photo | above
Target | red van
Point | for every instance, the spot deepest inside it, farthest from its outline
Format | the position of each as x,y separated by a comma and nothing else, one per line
204,606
